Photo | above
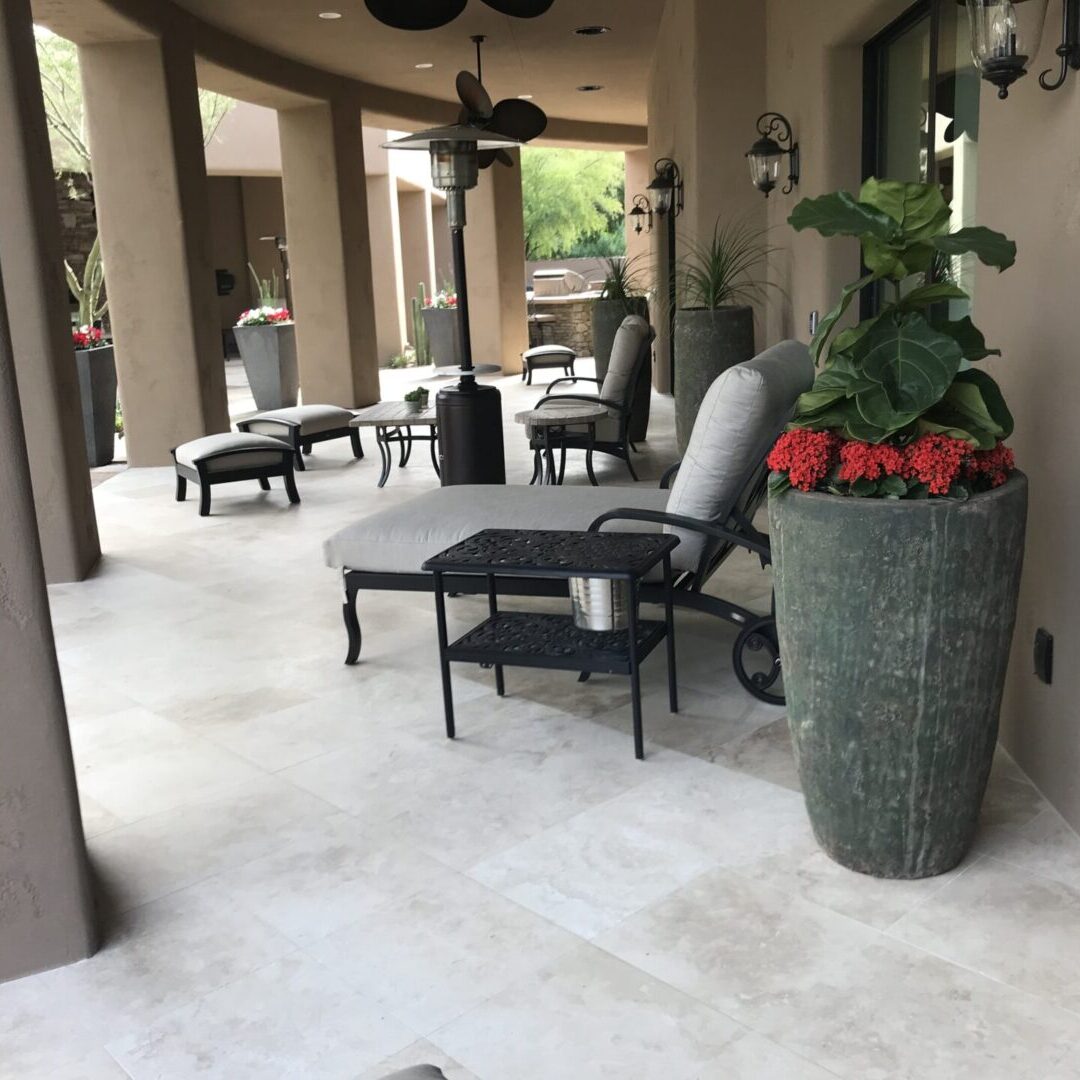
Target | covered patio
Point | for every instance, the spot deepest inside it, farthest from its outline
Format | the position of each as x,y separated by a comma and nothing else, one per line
226,852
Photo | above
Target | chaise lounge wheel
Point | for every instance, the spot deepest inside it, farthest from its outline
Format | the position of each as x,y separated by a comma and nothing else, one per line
756,659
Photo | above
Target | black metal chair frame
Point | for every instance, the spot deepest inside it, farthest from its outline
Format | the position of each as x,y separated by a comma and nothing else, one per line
302,445
757,633
529,364
569,440
263,473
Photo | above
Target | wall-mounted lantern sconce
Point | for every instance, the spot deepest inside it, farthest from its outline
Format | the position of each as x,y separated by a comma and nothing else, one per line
766,154
1005,36
642,214
667,188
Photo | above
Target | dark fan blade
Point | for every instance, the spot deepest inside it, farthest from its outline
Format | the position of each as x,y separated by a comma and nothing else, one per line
415,14
521,9
486,158
473,95
521,120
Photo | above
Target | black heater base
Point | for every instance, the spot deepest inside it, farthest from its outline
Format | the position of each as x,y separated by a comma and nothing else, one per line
470,434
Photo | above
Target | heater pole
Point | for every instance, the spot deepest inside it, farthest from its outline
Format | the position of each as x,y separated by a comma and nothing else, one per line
456,213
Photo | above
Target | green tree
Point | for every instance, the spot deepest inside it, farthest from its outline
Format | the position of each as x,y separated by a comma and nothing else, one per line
573,203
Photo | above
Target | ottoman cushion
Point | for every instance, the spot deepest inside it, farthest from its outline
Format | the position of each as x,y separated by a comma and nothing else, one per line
313,419
555,354
264,451
398,540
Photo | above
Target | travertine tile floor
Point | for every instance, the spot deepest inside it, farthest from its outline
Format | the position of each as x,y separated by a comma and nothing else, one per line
301,877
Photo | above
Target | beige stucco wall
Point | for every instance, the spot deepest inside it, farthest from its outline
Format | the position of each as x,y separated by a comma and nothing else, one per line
228,245
264,215
1029,155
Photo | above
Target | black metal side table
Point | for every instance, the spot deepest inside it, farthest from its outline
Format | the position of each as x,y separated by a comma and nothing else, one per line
533,639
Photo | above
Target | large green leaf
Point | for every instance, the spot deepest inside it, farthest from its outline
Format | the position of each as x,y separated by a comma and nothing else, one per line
841,214
926,295
912,363
989,247
976,395
968,336
825,327
941,420
897,260
919,209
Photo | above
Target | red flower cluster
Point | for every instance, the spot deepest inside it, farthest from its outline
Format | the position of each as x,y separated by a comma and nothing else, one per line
937,461
87,337
868,461
806,456
995,464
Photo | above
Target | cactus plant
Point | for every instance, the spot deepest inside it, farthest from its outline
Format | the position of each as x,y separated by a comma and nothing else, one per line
87,290
420,337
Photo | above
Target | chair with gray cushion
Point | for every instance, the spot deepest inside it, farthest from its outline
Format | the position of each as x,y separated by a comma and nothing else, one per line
717,489
547,356
229,458
303,425
630,351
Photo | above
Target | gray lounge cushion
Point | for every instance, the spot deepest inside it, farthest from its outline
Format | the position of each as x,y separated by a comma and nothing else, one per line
400,539
418,1072
313,419
741,414
264,451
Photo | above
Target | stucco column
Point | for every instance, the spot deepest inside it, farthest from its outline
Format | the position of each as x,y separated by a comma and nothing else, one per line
31,258
46,910
388,288
495,249
322,161
417,245
142,111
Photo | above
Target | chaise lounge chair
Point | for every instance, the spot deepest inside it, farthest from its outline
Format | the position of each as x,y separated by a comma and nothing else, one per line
716,490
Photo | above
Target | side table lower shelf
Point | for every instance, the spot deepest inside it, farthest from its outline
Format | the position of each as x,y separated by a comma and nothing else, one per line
531,639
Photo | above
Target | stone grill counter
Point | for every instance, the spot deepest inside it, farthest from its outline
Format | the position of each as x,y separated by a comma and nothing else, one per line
573,320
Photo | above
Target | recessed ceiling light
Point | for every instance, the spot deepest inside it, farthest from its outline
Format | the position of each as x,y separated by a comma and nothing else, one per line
329,14
525,97
592,31
590,88
424,67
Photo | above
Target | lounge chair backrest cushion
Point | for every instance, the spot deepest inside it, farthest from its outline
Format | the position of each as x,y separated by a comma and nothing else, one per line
740,416
631,341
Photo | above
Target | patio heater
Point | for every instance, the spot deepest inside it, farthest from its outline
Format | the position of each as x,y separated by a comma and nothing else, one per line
469,413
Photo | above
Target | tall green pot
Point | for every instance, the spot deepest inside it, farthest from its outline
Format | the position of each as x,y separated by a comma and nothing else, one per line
607,317
895,620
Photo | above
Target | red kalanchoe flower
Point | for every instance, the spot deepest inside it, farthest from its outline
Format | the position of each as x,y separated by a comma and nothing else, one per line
994,465
867,461
936,461
86,337
806,456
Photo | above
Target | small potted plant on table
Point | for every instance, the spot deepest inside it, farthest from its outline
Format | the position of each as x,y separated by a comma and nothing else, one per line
417,400
897,523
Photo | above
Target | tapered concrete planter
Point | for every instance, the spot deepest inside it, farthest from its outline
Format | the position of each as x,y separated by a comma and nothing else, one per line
441,325
269,355
895,621
607,317
97,389
707,343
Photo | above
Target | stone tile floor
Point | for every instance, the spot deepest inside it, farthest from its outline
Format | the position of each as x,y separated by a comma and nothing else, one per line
300,877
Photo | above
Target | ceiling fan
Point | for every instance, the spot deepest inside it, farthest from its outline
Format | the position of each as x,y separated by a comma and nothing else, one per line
431,14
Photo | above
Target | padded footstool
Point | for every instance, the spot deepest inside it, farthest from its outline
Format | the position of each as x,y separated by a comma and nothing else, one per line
547,356
303,425
224,459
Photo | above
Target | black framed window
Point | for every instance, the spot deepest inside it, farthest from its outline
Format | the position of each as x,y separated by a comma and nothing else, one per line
921,113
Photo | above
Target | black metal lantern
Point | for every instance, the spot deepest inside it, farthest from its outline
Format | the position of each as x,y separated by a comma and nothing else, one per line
667,188
766,155
1005,37
641,214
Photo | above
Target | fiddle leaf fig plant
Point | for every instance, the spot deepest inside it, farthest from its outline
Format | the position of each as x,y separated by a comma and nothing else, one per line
907,371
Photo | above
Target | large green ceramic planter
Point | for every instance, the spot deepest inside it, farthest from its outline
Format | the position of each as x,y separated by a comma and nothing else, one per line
895,622
707,343
607,317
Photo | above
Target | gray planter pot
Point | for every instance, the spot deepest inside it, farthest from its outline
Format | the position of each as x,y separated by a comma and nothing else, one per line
895,621
607,317
707,343
441,325
269,355
97,390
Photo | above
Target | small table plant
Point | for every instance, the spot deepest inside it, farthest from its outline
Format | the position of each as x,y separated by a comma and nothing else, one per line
897,521
417,399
